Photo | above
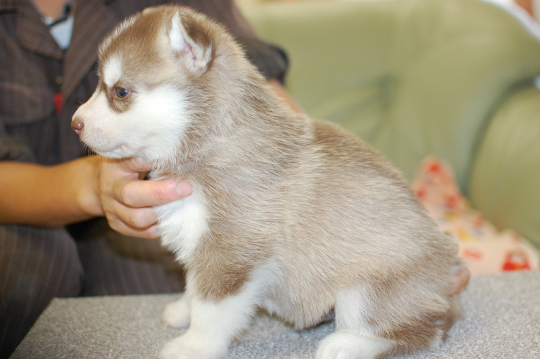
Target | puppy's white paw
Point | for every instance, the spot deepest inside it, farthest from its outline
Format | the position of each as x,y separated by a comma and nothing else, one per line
189,347
176,314
349,345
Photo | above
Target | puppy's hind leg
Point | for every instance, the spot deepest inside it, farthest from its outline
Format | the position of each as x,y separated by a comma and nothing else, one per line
353,338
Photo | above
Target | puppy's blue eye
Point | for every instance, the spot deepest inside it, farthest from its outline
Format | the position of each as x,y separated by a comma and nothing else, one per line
121,92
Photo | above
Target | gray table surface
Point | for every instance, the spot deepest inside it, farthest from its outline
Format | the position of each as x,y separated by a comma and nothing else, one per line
502,320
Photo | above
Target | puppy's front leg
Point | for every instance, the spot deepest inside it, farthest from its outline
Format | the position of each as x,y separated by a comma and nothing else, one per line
177,314
213,326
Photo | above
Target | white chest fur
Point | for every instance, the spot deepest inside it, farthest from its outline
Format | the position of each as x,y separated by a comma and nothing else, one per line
182,223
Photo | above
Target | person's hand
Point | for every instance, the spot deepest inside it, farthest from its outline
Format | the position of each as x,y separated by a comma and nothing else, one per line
127,200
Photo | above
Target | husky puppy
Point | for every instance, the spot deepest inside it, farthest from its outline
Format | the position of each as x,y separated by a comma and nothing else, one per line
288,214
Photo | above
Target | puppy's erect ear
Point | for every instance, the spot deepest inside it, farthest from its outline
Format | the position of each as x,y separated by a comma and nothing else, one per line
190,43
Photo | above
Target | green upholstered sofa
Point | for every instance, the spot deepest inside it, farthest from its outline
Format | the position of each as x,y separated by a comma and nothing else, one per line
452,78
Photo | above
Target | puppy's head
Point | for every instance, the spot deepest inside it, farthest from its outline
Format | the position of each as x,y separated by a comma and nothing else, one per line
152,74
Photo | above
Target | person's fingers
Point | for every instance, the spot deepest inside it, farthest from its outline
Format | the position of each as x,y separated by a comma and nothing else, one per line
120,226
129,166
136,218
137,165
151,193
128,201
117,173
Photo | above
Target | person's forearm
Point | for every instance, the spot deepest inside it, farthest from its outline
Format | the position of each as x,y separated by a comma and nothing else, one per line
49,196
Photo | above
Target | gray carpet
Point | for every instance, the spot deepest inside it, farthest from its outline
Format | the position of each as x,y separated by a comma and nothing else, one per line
502,320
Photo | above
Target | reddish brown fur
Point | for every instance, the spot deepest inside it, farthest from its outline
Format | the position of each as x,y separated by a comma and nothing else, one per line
321,203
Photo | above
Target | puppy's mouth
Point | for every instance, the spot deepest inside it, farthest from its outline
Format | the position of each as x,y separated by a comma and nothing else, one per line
117,152
105,148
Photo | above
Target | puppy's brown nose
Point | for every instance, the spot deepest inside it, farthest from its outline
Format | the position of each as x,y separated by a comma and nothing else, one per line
77,126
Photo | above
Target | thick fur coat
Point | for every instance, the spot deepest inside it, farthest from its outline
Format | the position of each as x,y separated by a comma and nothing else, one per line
288,214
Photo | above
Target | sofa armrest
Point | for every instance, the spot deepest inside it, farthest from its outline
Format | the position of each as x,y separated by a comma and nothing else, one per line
505,178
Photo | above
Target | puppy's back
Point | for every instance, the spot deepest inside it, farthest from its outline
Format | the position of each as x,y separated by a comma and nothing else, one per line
351,221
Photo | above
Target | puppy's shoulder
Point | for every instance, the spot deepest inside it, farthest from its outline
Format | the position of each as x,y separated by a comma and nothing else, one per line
334,140
342,149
